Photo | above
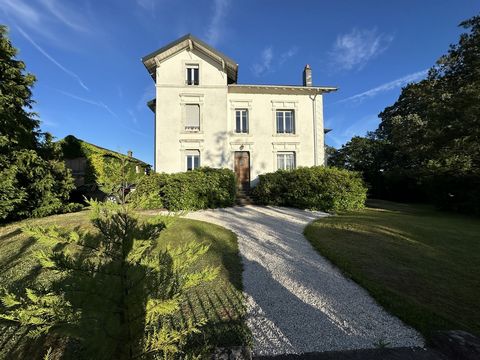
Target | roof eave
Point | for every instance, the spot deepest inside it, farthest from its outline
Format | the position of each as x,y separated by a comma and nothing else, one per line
286,88
152,104
231,67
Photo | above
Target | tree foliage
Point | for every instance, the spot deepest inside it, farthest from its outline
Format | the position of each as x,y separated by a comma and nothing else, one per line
18,127
33,179
115,293
427,145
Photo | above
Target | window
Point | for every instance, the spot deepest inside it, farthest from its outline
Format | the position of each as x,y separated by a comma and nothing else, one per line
192,159
192,75
286,161
192,117
285,122
241,121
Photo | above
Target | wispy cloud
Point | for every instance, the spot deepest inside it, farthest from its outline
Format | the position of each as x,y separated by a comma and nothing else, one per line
135,131
104,106
265,62
89,101
147,95
21,11
216,25
49,123
132,116
287,55
344,128
356,48
148,5
361,126
43,17
49,57
269,62
386,87
65,15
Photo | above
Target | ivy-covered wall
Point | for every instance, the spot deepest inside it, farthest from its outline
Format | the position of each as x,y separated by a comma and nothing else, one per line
92,164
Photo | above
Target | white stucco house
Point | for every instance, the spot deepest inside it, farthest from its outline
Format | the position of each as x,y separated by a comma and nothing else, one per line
204,117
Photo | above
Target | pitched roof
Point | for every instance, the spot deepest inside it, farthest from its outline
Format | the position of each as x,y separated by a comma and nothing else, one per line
191,42
279,89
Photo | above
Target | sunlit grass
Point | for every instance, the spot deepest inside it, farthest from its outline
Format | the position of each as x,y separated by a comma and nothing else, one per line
421,264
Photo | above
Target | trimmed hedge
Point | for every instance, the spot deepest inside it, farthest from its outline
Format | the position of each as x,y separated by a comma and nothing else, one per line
314,188
199,189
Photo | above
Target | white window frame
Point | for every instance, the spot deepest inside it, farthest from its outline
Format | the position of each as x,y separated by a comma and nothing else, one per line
242,129
284,121
190,68
190,156
283,155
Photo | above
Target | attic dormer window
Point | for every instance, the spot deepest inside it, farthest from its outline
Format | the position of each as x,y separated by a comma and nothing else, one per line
192,75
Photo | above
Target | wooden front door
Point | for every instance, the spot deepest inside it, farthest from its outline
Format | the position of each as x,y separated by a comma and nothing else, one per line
242,169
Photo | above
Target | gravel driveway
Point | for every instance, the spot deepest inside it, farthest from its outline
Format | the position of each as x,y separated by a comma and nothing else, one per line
296,300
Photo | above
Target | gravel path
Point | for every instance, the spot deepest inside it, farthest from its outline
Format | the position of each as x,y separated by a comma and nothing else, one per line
296,300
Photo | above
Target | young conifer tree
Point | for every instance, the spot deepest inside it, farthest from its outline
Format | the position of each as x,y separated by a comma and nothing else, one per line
115,291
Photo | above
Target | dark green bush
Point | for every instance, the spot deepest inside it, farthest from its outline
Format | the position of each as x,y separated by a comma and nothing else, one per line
315,188
31,186
199,189
454,192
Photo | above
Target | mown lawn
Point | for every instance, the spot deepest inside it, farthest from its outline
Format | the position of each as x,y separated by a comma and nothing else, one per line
421,264
220,301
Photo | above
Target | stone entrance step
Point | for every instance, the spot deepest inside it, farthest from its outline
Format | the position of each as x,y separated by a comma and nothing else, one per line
243,198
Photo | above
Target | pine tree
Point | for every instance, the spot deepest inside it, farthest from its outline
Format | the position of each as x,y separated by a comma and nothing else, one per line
116,291
33,178
18,127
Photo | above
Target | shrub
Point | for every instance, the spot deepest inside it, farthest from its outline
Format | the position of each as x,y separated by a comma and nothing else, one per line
31,186
220,187
199,189
315,188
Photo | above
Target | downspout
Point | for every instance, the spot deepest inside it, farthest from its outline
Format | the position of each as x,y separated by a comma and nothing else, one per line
155,137
315,135
157,62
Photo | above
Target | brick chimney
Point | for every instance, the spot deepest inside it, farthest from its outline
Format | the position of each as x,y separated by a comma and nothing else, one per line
307,76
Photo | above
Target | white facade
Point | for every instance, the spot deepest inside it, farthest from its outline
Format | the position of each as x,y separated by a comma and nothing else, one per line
196,123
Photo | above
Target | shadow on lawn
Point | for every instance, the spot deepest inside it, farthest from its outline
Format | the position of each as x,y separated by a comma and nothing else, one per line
107,298
228,254
99,290
222,304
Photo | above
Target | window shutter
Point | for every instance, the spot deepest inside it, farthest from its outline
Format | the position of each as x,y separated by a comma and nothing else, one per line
192,115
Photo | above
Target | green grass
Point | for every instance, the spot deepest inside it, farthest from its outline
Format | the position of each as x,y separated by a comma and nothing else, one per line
420,264
220,301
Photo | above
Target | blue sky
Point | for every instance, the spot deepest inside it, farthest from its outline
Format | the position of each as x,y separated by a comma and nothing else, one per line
92,84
